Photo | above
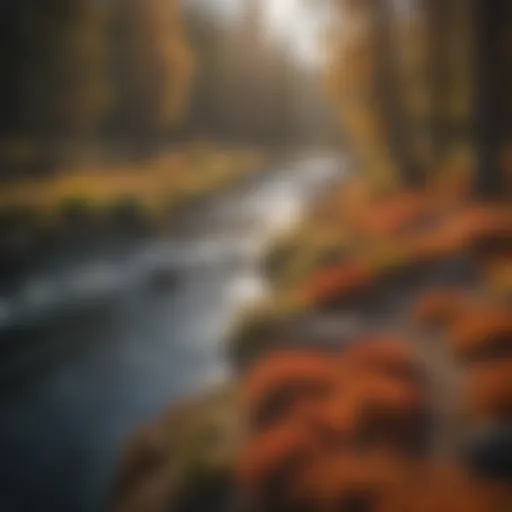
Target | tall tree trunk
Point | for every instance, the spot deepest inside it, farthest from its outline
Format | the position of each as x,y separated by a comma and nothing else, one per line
439,20
390,97
490,30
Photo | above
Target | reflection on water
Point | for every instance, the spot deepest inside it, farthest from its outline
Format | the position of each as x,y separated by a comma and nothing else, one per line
92,351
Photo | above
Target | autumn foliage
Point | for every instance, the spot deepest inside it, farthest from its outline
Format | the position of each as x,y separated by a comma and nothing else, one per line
344,422
355,427
482,332
497,274
489,390
275,386
334,482
335,431
393,216
337,404
487,228
273,454
385,356
408,231
438,306
338,282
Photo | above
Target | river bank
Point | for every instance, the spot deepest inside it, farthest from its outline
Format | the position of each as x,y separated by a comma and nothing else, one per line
395,319
73,211
395,284
113,367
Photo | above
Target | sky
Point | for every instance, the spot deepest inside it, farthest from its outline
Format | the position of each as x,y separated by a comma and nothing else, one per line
298,24
291,20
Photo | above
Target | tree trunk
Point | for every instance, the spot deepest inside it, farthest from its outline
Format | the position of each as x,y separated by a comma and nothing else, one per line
390,97
490,30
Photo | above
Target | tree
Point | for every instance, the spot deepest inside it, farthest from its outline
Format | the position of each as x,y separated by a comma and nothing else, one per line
153,68
56,86
388,91
491,26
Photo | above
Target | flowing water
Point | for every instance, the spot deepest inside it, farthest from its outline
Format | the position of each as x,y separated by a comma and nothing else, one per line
95,346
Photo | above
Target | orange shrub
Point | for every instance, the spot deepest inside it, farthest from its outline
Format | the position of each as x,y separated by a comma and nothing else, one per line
487,228
363,404
389,356
497,273
337,282
276,384
438,306
335,420
391,216
482,332
271,459
489,390
435,245
348,480
389,410
445,488
382,482
475,226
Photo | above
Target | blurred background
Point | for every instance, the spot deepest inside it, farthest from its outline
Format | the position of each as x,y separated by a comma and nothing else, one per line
155,158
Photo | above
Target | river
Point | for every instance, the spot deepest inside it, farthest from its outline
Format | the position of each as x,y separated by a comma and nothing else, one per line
92,351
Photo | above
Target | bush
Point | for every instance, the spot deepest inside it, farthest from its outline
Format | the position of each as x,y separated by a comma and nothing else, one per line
267,460
482,333
437,307
274,387
489,392
338,282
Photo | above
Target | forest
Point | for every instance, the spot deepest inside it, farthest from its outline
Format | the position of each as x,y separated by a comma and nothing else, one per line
127,111
258,327
131,77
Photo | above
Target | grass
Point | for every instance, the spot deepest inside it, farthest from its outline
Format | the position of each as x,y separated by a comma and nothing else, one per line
159,186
